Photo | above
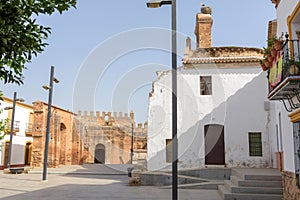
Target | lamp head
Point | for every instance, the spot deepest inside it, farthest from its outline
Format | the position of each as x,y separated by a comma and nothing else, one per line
20,100
46,87
55,80
157,3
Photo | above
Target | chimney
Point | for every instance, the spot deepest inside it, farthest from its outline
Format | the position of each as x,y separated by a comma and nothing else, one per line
203,27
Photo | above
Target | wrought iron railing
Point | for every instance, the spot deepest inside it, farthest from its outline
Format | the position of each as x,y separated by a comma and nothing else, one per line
286,65
29,127
290,59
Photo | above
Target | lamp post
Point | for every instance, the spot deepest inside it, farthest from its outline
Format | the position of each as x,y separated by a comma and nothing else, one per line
50,88
131,150
157,4
12,126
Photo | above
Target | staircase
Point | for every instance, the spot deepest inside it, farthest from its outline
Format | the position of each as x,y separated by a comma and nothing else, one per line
252,184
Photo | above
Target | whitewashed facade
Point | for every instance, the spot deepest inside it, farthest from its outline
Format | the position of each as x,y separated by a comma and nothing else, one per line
236,104
287,23
22,139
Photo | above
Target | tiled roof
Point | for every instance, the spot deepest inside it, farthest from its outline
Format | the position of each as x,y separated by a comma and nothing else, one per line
223,55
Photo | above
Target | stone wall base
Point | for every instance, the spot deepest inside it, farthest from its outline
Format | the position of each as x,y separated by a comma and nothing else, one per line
290,189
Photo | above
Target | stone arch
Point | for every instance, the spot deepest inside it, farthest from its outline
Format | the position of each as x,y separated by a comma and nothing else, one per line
28,153
99,154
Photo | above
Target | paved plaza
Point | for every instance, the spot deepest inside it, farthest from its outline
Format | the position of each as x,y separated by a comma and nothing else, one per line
84,184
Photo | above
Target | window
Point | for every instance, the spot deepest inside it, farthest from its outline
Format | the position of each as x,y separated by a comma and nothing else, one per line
205,85
168,150
255,144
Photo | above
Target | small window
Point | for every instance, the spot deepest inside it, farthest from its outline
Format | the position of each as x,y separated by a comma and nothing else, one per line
169,150
255,144
205,85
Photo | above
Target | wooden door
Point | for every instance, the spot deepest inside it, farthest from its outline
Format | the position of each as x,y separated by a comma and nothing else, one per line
214,144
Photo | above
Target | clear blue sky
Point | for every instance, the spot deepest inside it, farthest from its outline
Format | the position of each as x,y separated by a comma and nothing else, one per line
106,27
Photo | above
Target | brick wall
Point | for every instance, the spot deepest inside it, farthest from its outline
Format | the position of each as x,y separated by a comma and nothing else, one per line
290,189
73,139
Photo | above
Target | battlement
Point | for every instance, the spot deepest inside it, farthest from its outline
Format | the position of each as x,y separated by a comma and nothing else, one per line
104,114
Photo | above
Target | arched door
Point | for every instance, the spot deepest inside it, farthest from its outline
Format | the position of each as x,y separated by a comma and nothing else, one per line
99,154
28,153
214,144
6,149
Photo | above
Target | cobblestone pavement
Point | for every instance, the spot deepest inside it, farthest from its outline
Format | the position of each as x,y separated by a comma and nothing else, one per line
75,186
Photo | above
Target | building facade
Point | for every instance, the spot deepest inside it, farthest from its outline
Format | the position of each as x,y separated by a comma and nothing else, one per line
21,151
223,110
86,137
284,88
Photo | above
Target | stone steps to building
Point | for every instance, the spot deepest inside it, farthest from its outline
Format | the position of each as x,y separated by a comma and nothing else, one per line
231,187
257,174
252,184
226,195
211,185
165,179
255,183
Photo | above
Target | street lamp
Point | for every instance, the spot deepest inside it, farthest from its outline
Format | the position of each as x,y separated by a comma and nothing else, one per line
12,126
131,150
50,88
156,4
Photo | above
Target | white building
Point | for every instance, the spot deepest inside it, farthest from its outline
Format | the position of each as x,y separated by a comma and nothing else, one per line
22,139
287,88
224,116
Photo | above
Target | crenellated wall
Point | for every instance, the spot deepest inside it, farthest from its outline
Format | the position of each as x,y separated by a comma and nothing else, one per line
114,131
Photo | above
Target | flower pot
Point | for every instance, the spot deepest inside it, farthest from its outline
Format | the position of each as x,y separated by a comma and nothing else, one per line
278,45
294,70
273,52
264,68
270,58
267,63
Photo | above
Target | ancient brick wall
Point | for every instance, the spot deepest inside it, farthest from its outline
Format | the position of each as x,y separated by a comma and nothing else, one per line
114,132
65,146
73,139
290,189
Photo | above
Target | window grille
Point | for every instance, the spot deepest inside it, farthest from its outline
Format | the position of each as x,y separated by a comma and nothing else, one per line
255,144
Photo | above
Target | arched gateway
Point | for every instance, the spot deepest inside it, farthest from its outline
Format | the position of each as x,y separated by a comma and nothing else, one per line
99,154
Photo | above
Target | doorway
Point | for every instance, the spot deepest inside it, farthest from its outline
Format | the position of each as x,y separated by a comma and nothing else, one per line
99,154
28,153
214,144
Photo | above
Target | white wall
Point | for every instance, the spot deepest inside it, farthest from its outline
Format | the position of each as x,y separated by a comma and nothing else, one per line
237,103
285,9
19,140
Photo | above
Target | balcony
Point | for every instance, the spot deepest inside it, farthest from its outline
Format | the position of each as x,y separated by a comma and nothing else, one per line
16,127
284,76
29,129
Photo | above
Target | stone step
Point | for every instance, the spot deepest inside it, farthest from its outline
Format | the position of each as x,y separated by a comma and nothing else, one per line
226,195
255,183
212,185
255,190
257,174
164,179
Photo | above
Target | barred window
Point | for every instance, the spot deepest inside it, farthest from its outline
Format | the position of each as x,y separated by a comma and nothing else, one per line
205,85
255,144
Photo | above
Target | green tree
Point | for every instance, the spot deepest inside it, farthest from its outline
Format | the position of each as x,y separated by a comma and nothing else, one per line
21,37
3,122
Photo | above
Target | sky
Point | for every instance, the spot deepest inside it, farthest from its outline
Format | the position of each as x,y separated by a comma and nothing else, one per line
106,53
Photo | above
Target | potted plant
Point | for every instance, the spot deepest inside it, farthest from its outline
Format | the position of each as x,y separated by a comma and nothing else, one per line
298,34
263,66
294,67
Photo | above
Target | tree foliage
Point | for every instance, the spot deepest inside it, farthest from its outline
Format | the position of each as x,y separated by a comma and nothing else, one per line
3,122
21,37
